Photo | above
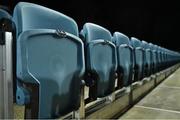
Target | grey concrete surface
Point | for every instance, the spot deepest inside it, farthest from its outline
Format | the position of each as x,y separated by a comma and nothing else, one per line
148,113
162,103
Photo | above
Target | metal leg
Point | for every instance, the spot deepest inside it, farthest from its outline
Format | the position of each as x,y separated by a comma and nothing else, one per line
80,113
82,105
6,83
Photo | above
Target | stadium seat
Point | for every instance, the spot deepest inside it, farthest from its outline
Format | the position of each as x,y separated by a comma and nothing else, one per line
138,59
158,58
163,58
50,61
4,15
147,59
101,61
154,61
124,59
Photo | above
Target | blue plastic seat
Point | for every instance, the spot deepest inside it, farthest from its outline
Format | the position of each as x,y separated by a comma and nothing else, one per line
154,60
147,59
163,57
158,58
124,59
6,23
138,59
4,14
50,61
101,63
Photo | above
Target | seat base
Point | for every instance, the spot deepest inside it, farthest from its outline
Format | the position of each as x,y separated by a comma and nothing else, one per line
110,110
141,88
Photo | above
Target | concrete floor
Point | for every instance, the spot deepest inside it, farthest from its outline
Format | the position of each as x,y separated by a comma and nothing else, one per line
162,103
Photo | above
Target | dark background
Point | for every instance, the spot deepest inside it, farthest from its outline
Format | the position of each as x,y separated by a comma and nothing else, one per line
153,21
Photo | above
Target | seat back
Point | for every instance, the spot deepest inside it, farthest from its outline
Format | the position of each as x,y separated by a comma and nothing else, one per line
158,58
147,59
124,59
50,61
161,57
6,23
164,57
4,14
100,59
31,16
154,58
138,58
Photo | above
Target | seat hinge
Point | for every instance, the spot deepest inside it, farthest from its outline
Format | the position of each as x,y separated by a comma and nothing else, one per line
106,42
61,33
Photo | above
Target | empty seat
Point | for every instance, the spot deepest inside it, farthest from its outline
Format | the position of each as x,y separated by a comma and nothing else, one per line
138,59
4,14
158,58
163,57
50,61
154,60
124,59
147,59
101,60
6,23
